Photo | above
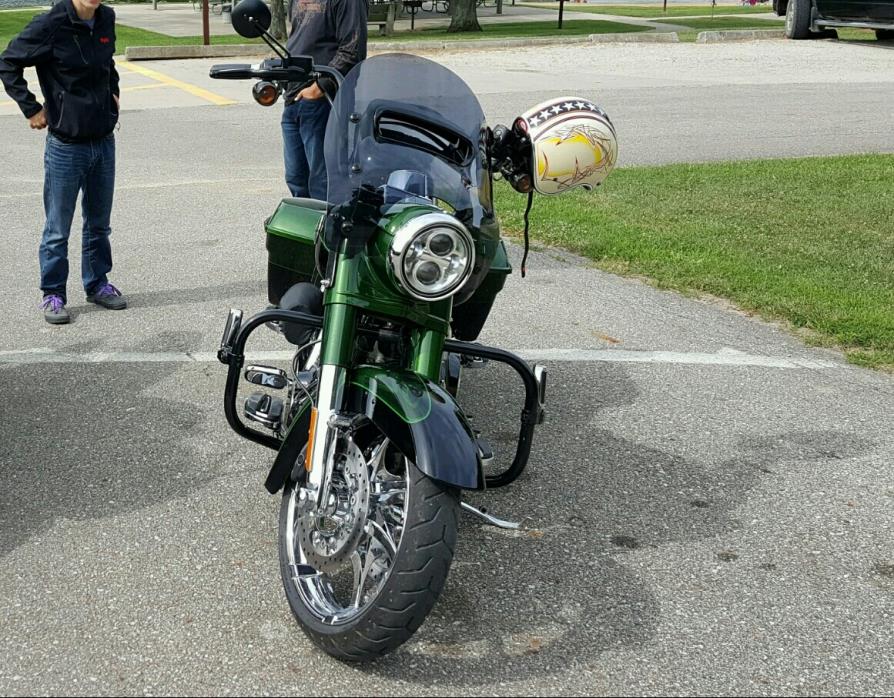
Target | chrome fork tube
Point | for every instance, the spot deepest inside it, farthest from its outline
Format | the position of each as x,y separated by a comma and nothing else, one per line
329,404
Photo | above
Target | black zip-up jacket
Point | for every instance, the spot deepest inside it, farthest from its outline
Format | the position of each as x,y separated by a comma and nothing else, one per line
75,69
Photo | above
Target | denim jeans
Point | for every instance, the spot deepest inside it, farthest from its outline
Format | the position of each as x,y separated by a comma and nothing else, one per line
70,168
303,130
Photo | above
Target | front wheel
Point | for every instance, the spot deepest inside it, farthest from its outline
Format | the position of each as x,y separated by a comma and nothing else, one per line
362,572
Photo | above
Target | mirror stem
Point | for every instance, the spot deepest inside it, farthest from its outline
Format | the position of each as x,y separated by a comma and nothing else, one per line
268,38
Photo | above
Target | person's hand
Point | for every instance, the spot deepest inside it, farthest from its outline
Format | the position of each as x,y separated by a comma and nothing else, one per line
117,102
311,92
39,120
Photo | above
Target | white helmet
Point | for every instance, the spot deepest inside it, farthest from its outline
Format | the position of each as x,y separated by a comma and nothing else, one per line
573,144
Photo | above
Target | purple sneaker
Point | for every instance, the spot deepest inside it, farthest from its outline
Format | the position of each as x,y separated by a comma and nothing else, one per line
108,297
54,311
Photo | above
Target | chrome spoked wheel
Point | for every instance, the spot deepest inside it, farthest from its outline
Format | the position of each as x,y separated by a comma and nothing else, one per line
362,572
341,555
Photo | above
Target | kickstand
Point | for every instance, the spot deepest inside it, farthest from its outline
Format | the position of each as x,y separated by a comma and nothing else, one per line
492,520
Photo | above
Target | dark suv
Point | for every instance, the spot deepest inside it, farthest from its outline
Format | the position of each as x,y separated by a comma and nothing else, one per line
806,18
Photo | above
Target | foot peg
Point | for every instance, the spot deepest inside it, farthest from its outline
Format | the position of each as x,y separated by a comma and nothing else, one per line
263,409
485,452
492,520
540,377
267,377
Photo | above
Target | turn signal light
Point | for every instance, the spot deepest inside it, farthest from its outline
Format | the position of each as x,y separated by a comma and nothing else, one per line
265,93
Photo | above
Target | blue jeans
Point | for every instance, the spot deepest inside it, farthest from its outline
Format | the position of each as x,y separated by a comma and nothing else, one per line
70,168
303,131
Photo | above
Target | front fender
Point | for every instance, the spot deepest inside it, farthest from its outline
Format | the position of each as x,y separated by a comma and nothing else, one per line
289,451
422,420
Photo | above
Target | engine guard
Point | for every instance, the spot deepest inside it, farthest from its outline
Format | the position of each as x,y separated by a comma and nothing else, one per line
422,419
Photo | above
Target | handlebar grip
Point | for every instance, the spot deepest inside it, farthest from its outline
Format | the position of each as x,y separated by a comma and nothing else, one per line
233,71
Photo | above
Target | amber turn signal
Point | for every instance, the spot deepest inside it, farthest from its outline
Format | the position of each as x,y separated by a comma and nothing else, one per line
265,93
308,454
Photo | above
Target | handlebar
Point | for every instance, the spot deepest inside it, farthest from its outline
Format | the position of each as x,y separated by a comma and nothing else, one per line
291,69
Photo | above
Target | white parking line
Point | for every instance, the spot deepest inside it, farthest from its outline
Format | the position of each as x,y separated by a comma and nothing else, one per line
153,185
724,357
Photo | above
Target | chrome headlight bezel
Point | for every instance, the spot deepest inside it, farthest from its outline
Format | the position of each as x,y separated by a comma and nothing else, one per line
430,225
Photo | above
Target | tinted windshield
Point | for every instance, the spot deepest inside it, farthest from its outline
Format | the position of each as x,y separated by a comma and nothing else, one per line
412,129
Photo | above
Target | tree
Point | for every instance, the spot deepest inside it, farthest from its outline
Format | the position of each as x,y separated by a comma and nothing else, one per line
464,16
278,27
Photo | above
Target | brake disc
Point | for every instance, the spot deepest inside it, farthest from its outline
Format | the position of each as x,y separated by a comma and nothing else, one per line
330,534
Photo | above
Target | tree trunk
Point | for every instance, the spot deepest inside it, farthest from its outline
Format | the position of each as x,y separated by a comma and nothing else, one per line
278,26
464,15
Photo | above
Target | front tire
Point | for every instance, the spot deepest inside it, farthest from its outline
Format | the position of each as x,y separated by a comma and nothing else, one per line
393,610
797,19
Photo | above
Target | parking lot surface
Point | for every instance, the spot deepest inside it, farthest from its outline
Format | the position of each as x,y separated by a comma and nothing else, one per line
708,508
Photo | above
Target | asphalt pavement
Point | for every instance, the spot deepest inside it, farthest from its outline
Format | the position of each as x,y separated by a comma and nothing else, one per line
708,508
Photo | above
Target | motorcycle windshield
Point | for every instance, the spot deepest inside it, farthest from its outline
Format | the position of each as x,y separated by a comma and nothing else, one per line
412,130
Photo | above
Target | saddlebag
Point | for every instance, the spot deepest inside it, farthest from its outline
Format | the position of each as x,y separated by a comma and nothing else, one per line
291,234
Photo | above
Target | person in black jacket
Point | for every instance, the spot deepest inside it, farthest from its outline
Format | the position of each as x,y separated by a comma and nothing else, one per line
334,33
72,48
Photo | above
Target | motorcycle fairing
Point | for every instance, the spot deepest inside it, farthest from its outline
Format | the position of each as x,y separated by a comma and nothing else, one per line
423,421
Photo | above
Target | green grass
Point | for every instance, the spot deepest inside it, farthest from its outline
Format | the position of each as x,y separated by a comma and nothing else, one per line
654,11
808,241
848,34
130,36
510,30
11,23
708,24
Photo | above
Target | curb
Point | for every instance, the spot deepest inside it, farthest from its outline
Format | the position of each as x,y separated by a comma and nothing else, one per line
739,35
149,53
644,37
152,53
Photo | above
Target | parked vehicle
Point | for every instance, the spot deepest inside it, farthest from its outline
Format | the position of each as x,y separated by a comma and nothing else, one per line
806,18
382,289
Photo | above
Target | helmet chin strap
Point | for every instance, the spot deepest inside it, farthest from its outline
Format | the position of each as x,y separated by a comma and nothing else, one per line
527,241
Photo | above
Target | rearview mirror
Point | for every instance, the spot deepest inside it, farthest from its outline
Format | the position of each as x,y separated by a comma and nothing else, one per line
251,18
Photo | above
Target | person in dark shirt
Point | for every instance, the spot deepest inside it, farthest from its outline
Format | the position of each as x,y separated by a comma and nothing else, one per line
333,32
72,48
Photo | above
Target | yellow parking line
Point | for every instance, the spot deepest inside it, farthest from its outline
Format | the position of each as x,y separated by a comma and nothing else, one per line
150,86
173,82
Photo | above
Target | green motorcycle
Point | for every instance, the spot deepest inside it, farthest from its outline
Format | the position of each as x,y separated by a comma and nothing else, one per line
382,289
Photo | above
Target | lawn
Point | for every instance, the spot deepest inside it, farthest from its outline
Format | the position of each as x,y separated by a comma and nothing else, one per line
708,24
807,241
510,30
655,11
11,23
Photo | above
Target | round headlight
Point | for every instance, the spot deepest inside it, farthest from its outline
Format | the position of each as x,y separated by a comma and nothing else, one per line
432,256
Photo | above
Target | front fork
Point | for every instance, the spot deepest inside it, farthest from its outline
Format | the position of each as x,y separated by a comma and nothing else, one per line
327,421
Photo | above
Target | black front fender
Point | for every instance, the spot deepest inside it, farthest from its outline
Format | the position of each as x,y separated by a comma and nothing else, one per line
422,420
